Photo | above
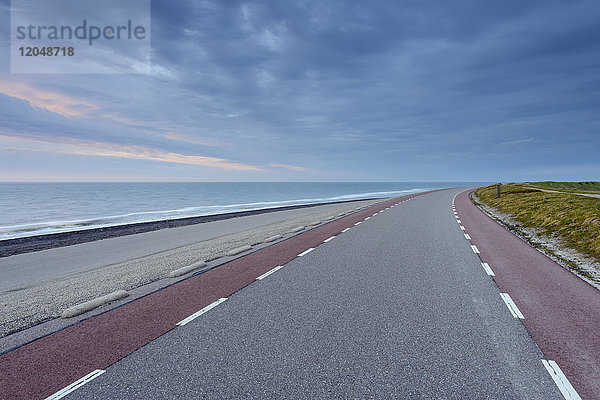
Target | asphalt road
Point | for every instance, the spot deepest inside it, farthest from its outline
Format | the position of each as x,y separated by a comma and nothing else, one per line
36,268
397,306
561,311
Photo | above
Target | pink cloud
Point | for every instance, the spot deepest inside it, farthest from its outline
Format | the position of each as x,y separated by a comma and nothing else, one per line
290,167
71,107
104,149
55,102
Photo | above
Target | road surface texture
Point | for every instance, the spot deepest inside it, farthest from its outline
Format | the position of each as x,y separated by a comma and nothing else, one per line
396,306
39,286
33,269
561,311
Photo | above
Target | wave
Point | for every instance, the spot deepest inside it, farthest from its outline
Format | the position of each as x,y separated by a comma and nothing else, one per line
49,227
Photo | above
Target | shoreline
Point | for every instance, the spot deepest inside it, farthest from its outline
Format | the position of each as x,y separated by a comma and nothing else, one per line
29,244
137,264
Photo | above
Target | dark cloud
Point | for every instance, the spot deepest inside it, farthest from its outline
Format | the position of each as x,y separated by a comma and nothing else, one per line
340,84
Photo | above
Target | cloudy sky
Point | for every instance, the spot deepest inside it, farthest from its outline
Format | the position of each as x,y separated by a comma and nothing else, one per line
323,91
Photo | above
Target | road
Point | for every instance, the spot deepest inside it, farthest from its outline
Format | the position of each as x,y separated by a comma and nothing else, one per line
396,306
561,310
34,269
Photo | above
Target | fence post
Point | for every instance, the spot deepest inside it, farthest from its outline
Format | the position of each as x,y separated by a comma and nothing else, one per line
498,190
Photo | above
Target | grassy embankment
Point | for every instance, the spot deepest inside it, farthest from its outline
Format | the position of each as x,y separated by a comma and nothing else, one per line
574,219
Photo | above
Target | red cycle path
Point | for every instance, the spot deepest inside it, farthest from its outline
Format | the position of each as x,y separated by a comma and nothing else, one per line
47,365
562,312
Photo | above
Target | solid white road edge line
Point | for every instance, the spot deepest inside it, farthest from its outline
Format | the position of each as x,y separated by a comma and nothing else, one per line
475,249
263,276
561,380
514,310
75,385
487,269
199,313
306,252
346,230
328,239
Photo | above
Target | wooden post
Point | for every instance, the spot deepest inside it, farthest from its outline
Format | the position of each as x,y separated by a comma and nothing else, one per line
498,190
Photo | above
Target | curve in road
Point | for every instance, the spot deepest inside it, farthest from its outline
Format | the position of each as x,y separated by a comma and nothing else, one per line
389,301
561,311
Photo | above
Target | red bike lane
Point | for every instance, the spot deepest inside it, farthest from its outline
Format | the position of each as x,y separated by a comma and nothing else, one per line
562,311
44,366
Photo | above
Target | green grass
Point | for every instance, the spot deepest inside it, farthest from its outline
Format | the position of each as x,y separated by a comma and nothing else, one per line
591,186
575,219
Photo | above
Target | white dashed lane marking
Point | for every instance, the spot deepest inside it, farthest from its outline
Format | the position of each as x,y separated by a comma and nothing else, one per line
306,252
199,313
561,380
514,310
487,269
75,385
263,276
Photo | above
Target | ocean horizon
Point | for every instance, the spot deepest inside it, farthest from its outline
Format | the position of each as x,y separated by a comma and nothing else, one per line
31,209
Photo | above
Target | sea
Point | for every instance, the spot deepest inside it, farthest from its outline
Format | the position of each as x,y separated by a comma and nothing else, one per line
31,209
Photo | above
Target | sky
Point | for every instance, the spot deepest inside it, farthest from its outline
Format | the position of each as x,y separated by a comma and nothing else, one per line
476,91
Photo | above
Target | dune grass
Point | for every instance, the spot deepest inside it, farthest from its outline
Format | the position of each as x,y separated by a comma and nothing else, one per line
574,219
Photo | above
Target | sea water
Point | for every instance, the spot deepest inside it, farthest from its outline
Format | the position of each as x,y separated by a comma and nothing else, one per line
29,209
